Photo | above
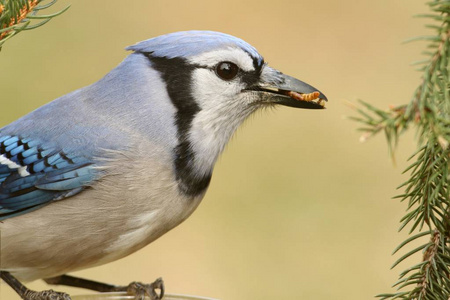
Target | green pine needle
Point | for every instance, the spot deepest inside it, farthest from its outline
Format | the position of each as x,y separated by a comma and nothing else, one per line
427,189
18,15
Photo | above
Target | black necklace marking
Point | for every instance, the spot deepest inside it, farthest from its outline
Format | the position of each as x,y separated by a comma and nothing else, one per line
177,74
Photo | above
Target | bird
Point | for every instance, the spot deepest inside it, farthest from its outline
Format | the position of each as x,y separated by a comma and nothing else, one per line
103,171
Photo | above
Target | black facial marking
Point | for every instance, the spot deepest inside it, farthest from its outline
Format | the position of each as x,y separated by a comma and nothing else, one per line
176,73
258,62
251,78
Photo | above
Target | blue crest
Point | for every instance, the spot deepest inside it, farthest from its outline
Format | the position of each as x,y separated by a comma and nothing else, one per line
191,43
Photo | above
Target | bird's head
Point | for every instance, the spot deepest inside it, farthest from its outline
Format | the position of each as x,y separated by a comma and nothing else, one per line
221,69
215,81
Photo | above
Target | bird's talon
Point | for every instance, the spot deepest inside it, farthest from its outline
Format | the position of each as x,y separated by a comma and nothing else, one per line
158,284
46,295
140,290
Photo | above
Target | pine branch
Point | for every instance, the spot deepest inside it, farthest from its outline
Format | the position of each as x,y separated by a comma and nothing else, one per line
427,190
18,15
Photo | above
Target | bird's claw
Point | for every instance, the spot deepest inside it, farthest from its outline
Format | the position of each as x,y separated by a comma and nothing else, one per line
140,290
46,295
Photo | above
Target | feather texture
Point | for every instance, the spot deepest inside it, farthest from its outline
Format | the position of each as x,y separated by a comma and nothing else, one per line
32,175
187,44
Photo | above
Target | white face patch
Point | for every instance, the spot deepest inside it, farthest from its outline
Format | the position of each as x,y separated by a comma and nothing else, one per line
12,165
235,55
223,107
223,104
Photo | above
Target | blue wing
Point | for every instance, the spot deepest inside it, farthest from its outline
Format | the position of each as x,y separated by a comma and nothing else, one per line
32,175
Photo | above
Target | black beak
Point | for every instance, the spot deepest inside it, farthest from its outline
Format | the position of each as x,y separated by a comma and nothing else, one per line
279,88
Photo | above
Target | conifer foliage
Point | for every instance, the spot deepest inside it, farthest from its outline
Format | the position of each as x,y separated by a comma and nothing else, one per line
426,192
20,15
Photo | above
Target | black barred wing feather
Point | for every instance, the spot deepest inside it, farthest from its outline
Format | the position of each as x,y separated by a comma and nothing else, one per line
32,175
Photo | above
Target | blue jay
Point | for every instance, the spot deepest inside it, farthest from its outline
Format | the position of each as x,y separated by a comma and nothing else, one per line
101,172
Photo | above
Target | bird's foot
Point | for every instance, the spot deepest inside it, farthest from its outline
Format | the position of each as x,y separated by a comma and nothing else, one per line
45,295
140,290
137,289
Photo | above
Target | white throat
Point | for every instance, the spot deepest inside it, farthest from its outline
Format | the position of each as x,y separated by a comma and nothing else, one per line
219,116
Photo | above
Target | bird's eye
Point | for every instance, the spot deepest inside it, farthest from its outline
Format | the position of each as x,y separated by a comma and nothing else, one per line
227,70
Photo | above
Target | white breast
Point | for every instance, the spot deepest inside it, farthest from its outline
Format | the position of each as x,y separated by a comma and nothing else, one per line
135,204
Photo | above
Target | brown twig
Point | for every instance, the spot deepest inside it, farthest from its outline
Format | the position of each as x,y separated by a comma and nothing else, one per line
429,257
24,11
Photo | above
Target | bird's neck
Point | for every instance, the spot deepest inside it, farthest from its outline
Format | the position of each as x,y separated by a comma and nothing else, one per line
212,128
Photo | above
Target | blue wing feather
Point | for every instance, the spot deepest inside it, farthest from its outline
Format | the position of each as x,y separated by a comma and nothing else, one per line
51,175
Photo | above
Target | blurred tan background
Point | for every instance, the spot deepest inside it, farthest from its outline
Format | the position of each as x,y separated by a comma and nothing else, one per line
297,208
